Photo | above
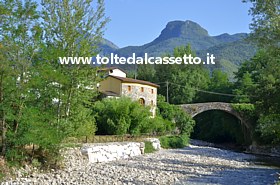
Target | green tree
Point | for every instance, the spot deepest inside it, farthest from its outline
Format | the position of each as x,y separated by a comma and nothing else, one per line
265,26
258,82
218,82
182,80
146,72
41,101
19,38
264,68
244,87
73,29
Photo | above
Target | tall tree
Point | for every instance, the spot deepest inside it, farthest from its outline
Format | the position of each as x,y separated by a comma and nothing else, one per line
42,101
73,29
265,25
19,30
259,77
219,82
146,72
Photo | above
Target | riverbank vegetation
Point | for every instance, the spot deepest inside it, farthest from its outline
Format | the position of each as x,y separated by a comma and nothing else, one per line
119,116
179,141
41,101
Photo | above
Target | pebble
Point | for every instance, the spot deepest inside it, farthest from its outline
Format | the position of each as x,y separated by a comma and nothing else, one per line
194,165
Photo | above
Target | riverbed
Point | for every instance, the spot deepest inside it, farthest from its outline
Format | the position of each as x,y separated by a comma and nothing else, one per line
194,165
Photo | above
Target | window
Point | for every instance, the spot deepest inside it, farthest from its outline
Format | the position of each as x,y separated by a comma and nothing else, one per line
129,88
152,103
142,89
152,90
142,101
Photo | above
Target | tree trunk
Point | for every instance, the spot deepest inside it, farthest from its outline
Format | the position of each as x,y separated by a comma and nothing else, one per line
69,99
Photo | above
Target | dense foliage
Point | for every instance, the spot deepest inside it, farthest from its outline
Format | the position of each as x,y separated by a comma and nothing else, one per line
179,82
174,141
41,101
124,116
258,78
176,115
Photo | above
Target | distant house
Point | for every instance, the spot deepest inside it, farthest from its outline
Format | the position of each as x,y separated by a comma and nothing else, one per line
115,84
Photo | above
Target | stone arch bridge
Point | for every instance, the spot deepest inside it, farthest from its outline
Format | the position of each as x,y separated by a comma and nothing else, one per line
197,108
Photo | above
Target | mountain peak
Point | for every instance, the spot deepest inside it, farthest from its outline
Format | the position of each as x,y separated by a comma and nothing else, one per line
183,29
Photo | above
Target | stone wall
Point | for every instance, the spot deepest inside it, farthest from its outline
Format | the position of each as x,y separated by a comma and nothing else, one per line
104,152
149,94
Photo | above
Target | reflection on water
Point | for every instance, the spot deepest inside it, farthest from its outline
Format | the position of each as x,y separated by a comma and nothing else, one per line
263,160
267,161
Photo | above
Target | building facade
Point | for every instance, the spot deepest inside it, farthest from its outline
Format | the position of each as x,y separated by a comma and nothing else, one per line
138,90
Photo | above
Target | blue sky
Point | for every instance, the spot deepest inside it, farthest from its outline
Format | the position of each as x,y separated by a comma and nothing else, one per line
136,22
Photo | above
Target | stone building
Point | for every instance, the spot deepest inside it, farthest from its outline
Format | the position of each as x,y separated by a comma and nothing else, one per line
115,84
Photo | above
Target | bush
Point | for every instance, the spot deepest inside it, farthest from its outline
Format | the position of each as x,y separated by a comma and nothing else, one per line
176,115
269,128
159,125
149,147
184,122
245,108
174,141
124,116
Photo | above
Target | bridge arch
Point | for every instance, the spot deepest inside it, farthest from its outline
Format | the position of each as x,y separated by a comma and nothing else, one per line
197,108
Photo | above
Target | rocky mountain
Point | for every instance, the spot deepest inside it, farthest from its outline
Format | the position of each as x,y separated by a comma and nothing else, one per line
107,46
230,50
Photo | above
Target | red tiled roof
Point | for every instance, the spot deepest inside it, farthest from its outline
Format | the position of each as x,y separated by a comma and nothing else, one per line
131,80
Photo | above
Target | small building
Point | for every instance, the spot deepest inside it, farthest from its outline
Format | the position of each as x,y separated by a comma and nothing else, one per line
115,84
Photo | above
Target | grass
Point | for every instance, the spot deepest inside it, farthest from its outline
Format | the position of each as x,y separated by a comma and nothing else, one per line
149,147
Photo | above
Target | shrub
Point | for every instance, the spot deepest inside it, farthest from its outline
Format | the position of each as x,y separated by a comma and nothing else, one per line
174,141
159,125
149,147
245,108
124,116
269,128
184,121
176,115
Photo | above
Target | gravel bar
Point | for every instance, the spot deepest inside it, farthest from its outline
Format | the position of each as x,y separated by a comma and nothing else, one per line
195,164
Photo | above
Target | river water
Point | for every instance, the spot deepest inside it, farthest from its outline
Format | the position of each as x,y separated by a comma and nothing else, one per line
267,161
260,170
